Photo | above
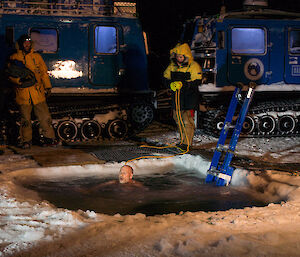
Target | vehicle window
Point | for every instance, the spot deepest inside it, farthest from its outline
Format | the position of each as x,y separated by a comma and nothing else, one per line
294,41
105,39
248,41
45,40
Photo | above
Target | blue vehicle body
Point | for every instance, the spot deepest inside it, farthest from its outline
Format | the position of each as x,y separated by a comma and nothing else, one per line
258,45
277,61
96,60
76,42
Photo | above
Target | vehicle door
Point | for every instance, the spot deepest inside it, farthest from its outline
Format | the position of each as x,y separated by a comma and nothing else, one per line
292,55
248,56
105,57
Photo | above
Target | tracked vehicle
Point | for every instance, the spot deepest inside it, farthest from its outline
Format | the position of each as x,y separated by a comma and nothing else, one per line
96,56
253,45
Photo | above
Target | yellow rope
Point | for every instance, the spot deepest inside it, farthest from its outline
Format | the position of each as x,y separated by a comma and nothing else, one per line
178,113
180,125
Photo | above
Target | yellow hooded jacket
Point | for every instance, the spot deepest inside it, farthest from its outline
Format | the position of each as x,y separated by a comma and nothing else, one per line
36,93
189,66
189,92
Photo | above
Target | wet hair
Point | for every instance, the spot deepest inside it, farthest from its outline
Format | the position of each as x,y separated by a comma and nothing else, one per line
22,39
129,167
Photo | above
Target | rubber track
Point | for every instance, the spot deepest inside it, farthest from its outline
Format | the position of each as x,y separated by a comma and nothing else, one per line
212,117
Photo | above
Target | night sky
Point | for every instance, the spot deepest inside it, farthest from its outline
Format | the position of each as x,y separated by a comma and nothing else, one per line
163,19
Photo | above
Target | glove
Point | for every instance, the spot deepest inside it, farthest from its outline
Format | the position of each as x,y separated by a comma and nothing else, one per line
176,85
47,92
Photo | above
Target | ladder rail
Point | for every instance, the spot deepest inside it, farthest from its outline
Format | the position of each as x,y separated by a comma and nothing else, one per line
226,169
223,135
221,173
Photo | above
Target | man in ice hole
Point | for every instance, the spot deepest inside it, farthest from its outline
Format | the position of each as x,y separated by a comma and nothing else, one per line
125,177
125,180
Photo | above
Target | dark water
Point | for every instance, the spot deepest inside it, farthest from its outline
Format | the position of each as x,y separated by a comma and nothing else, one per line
171,192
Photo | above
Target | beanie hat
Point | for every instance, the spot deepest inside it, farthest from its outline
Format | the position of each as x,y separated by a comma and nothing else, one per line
22,39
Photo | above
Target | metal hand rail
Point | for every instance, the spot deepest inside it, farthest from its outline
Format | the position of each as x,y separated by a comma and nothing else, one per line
71,8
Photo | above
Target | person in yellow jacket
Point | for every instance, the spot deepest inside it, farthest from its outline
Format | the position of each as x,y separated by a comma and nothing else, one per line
30,92
184,75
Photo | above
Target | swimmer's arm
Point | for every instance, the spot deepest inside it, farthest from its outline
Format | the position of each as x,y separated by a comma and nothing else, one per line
97,187
81,190
94,189
138,184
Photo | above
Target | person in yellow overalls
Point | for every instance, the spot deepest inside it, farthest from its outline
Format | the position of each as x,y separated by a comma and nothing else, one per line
184,75
30,91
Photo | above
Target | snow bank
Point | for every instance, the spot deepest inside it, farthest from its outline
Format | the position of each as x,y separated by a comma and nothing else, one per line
191,162
30,224
25,220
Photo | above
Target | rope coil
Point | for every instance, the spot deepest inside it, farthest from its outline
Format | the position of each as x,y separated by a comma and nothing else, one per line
182,132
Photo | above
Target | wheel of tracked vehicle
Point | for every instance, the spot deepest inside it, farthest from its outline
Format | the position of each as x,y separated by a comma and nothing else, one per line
117,129
215,123
248,125
141,115
67,130
266,124
90,129
286,124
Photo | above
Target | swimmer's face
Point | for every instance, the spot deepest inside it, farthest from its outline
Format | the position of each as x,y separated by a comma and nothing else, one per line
125,174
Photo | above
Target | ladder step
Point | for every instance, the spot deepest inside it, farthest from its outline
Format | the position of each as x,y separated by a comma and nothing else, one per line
221,173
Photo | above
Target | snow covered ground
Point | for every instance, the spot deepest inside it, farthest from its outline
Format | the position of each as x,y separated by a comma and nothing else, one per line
30,226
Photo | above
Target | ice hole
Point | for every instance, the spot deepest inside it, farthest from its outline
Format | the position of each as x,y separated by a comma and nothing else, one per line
169,186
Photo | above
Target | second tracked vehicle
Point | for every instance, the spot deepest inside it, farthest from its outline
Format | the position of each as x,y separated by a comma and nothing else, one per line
258,45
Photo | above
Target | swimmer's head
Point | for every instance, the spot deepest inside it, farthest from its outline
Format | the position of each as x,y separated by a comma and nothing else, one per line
125,174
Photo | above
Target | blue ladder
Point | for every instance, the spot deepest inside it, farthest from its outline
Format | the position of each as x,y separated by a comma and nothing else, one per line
221,173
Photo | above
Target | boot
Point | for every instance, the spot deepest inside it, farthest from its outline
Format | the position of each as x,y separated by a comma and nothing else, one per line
26,145
49,142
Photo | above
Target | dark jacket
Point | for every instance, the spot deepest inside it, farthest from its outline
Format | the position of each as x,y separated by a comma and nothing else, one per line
17,69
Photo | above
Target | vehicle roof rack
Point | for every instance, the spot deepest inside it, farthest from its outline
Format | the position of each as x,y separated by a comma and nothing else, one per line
94,8
260,14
